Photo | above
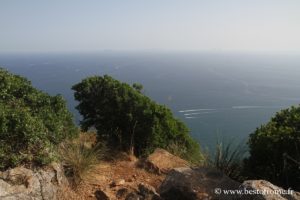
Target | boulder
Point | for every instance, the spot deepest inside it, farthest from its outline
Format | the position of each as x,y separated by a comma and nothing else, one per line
148,192
134,196
121,193
208,183
22,183
161,161
101,195
196,183
267,191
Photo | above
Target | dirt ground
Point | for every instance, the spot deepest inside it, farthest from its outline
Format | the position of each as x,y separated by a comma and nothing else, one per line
110,176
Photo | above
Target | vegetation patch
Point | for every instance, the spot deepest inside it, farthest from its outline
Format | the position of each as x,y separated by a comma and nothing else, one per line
275,150
79,157
228,157
32,122
128,119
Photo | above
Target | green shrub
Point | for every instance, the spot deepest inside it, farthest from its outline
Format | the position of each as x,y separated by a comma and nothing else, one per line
32,123
275,150
128,119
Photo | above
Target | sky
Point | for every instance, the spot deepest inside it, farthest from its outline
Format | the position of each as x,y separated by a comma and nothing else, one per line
196,25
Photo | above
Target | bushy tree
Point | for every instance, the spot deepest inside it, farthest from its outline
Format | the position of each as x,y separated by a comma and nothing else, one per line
275,150
31,122
128,119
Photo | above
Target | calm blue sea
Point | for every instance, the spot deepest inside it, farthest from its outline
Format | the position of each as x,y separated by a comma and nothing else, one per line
218,95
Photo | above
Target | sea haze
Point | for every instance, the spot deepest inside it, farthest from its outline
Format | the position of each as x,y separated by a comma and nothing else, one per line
218,95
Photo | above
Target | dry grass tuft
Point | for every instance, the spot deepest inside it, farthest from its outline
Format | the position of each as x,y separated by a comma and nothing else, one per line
80,156
228,158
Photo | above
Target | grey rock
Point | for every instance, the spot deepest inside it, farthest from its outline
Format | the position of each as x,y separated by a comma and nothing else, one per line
207,183
145,189
194,184
121,193
148,192
266,191
21,183
134,196
100,195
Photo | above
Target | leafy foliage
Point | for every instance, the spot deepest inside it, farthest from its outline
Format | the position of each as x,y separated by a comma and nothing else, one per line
31,122
128,119
275,149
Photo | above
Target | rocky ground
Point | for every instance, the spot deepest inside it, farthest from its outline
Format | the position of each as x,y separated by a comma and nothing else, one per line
128,177
161,176
117,178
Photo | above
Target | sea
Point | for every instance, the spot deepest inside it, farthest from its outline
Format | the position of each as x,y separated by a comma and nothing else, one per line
218,95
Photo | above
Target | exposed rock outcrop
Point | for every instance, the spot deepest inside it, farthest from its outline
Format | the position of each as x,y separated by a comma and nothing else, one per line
192,184
128,191
161,161
122,180
208,183
267,191
148,192
101,195
21,183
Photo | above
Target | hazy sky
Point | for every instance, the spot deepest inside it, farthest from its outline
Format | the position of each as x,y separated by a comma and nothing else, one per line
62,25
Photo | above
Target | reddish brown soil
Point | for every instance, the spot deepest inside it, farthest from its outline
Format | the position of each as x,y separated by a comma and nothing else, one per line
108,172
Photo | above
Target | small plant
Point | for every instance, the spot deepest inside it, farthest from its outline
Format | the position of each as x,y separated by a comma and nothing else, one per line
181,151
228,158
79,159
176,149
